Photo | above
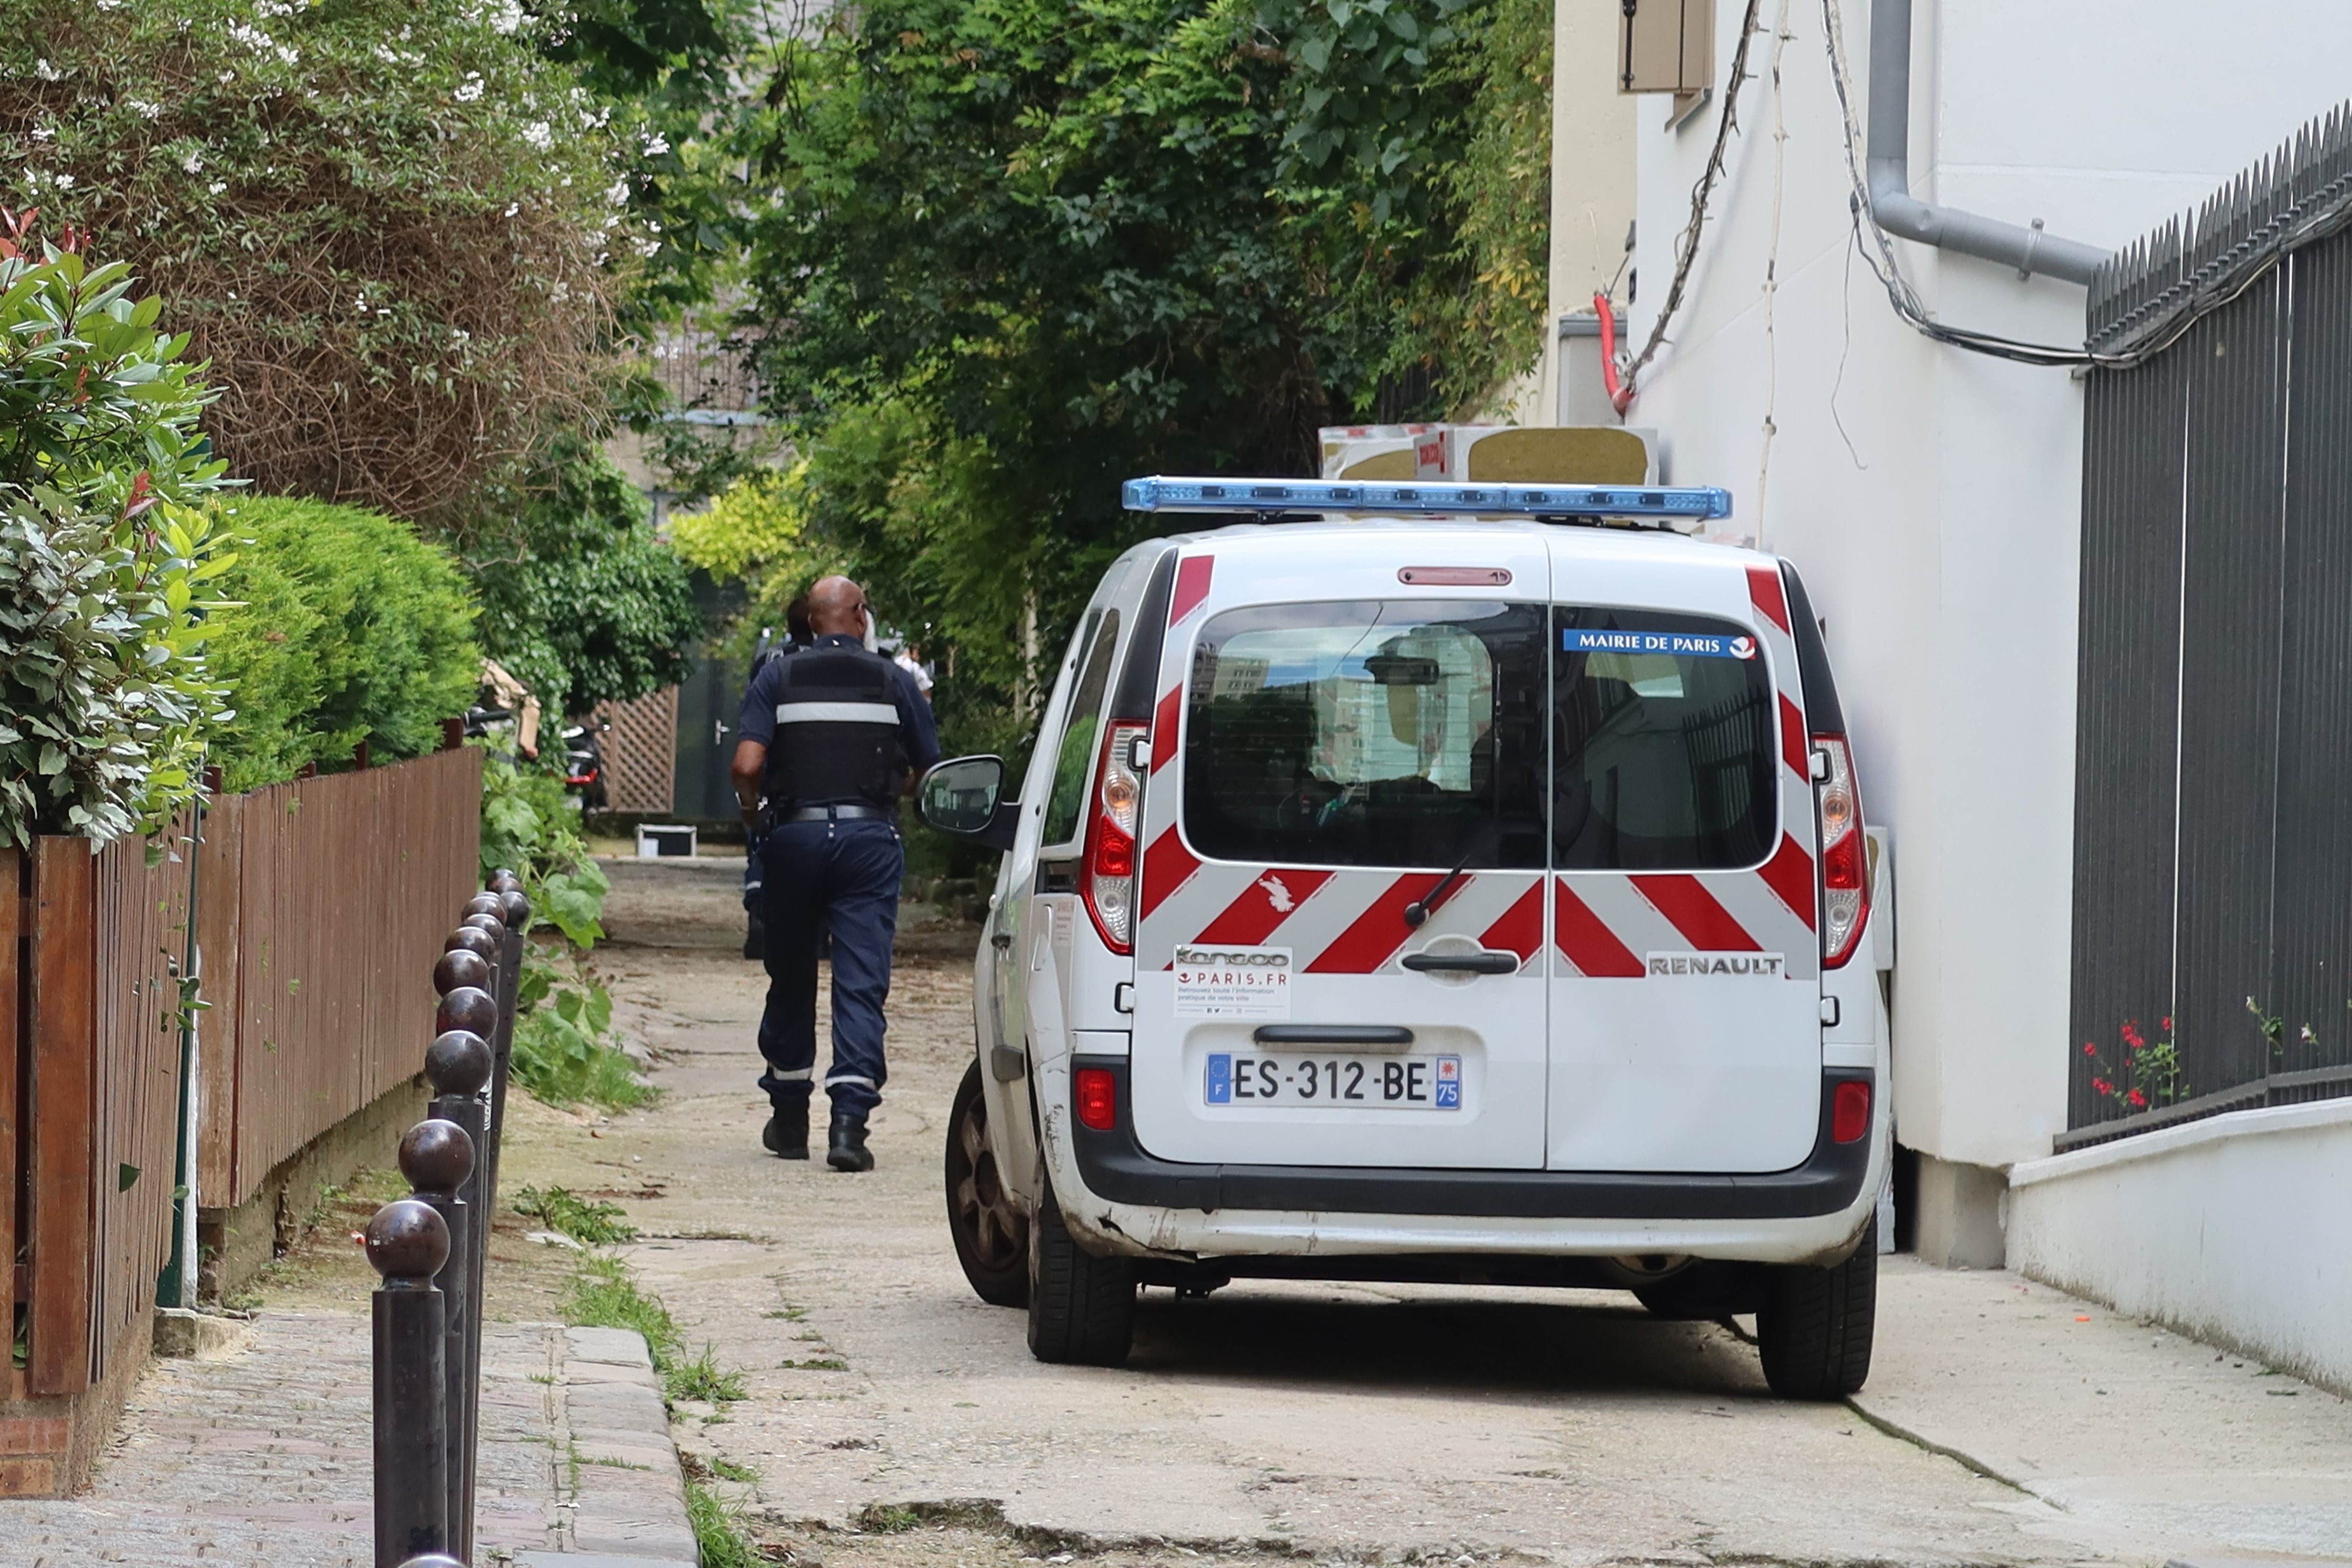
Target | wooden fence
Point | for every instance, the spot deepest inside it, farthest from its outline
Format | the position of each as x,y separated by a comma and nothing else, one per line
320,907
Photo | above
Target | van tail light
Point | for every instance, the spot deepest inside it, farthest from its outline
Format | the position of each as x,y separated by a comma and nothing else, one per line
1107,879
1097,1092
1849,1111
1846,860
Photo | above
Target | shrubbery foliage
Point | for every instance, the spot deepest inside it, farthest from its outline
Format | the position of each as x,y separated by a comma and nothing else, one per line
386,222
579,599
107,561
348,628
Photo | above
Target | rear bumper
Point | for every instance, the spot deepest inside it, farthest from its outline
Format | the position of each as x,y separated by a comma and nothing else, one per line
1813,1208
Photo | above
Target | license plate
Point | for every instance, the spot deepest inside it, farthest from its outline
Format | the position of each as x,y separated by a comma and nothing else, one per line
1337,1082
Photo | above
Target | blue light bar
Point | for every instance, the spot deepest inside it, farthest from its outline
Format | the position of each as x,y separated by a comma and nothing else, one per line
1663,502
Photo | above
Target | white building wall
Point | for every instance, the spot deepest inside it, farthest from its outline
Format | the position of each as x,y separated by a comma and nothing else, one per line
2223,1228
1592,129
1930,497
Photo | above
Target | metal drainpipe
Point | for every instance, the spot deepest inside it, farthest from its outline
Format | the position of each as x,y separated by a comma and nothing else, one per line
1898,212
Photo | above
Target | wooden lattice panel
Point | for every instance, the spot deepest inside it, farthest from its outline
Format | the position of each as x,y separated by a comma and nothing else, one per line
641,751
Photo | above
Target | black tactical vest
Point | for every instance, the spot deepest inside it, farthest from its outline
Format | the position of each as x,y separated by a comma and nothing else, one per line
836,735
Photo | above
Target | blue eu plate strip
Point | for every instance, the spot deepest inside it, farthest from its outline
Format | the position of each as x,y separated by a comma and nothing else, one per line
1661,502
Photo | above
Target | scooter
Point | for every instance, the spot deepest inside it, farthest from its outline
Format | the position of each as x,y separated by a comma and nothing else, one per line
583,763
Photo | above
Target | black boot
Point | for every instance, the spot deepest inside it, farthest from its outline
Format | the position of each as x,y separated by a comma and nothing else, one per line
786,1134
850,1152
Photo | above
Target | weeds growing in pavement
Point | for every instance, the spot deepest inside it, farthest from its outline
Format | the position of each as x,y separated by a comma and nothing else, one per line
717,1532
605,1295
702,1378
583,1219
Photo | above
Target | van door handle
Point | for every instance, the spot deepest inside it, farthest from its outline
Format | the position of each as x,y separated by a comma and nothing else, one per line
1486,961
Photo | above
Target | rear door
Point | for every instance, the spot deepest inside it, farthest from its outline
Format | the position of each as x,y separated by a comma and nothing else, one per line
1686,997
1349,725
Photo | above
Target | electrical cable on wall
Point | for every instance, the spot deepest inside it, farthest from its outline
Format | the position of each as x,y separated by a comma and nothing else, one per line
1781,37
1877,249
1620,383
1877,252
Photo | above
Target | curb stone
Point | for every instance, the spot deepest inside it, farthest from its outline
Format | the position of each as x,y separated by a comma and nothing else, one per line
624,1501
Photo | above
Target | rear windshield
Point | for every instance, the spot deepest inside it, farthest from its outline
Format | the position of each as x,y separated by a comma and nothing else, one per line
1662,753
1368,734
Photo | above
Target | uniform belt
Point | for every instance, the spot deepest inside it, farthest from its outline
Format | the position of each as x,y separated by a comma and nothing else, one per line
845,811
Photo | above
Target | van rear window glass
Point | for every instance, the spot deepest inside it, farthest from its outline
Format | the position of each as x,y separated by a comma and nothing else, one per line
1662,744
1378,734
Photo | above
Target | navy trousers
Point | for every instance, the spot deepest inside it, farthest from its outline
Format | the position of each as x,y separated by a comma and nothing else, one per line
845,876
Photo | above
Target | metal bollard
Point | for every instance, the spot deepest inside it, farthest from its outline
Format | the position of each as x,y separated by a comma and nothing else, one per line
433,1559
458,1065
437,1157
407,1242
473,941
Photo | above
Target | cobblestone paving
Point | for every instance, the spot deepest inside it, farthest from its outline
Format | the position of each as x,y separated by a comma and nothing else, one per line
262,1456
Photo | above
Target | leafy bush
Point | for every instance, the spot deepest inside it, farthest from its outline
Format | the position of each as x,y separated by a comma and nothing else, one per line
104,695
349,628
580,600
107,567
563,1049
388,223
531,828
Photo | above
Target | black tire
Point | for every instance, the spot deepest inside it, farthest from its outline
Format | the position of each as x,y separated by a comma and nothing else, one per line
1815,1326
1081,1306
991,1237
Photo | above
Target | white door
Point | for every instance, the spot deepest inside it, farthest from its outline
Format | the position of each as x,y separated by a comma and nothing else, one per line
1686,997
1341,957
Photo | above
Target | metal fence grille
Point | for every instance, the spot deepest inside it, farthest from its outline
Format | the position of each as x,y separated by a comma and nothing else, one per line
2214,784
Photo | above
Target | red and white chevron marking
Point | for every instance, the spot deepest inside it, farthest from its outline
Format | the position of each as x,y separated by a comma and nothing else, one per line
1342,922
1602,925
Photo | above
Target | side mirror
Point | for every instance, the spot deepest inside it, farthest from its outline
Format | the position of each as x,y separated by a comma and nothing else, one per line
963,797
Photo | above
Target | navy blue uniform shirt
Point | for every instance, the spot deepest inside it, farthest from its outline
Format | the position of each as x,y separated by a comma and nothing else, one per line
919,739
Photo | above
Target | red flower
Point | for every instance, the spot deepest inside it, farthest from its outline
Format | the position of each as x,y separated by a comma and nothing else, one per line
2103,1086
2167,1025
2136,1098
2089,1049
2132,1037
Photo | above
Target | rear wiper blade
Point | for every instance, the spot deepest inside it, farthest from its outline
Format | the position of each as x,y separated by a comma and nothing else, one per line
1419,909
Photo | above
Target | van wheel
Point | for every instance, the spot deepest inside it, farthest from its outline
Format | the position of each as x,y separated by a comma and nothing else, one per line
991,1237
1081,1306
1815,1325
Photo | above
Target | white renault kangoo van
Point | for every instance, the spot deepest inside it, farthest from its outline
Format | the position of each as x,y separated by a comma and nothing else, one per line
1476,898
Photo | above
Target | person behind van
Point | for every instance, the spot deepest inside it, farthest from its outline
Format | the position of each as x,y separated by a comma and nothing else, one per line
797,637
830,737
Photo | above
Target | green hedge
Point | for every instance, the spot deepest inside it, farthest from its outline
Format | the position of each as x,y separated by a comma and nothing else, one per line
349,628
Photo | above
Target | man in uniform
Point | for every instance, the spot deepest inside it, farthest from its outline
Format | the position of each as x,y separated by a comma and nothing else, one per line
830,738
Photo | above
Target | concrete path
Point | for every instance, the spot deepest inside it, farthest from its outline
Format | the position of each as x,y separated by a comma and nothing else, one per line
260,1456
1369,1422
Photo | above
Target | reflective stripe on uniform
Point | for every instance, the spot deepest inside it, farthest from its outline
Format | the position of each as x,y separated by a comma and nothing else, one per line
841,1078
797,1075
836,714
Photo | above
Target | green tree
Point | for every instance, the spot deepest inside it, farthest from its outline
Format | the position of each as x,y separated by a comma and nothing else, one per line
1018,252
580,601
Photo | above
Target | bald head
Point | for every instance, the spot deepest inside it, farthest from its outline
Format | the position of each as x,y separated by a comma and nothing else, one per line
836,606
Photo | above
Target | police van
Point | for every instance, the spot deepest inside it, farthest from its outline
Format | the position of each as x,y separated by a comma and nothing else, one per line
1431,883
